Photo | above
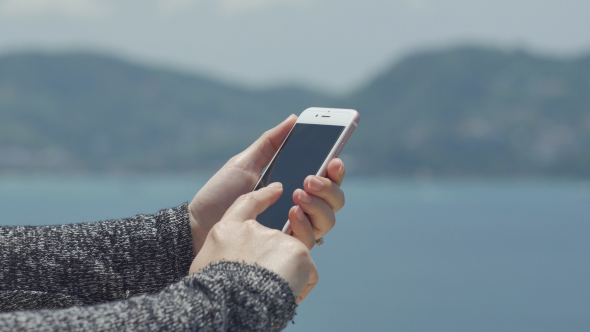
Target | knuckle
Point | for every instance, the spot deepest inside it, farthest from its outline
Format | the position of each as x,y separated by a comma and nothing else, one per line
333,224
250,197
327,221
267,136
269,235
217,232
247,199
327,226
251,224
273,233
297,251
341,203
235,160
330,218
243,197
300,250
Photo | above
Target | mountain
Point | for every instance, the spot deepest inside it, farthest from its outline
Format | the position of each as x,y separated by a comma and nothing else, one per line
466,111
94,113
476,112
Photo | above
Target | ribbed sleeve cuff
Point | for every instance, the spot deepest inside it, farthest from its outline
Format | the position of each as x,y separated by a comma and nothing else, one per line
175,239
254,292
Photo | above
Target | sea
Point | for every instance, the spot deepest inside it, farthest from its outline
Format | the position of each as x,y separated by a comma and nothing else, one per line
405,255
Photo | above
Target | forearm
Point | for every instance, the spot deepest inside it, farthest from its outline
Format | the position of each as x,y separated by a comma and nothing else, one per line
224,296
93,262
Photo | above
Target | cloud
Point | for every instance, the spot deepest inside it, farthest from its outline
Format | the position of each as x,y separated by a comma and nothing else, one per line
78,9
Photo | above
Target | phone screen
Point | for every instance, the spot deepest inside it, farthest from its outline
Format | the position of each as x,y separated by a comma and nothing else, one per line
302,154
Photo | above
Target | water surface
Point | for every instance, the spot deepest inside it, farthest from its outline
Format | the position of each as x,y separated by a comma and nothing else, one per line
404,256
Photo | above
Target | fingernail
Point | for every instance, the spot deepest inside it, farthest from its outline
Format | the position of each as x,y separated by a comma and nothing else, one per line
304,197
275,185
299,214
315,184
341,168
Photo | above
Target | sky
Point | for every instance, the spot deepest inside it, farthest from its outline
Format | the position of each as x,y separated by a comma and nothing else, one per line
331,45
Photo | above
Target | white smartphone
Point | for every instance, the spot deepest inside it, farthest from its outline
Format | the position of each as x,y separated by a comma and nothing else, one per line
317,137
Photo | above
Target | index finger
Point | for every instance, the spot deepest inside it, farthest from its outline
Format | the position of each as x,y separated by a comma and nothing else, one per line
250,205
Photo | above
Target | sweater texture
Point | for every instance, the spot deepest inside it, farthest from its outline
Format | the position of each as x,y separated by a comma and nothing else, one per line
131,274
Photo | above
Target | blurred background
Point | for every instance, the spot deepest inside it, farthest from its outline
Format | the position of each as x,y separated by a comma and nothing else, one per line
468,188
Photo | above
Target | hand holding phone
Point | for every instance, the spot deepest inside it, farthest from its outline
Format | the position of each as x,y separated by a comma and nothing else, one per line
317,137
242,172
238,237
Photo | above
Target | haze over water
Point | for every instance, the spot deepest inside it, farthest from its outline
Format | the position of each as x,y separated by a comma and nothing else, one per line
404,256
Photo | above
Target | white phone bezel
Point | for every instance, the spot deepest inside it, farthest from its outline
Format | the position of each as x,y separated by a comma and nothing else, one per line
328,116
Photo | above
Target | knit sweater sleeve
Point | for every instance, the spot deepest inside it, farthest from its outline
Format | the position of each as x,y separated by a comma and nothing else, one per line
81,264
225,296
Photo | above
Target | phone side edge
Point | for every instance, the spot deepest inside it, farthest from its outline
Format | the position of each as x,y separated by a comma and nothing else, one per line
336,149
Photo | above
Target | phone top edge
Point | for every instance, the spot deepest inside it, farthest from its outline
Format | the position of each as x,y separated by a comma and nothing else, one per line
356,118
329,116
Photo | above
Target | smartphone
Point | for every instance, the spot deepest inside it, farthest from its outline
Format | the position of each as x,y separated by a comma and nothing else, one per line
317,137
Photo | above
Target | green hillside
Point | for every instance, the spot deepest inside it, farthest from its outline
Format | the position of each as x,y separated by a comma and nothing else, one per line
462,111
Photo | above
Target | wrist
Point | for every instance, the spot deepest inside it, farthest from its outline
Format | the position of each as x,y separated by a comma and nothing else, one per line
199,233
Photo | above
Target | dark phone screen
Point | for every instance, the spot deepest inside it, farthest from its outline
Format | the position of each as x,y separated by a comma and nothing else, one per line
302,154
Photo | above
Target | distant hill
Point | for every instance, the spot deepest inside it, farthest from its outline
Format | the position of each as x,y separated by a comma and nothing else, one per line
459,112
475,111
94,113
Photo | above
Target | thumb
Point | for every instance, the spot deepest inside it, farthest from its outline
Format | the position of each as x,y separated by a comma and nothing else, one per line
261,152
249,205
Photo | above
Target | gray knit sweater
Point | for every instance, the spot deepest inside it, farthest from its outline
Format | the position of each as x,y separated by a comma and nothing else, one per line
130,274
